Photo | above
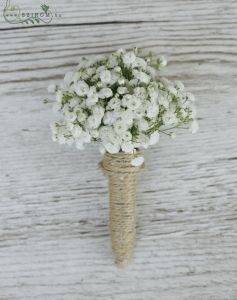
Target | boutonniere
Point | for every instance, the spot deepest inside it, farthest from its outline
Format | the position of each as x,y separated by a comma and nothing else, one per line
121,103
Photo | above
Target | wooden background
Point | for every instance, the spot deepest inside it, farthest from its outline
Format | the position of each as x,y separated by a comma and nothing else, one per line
54,242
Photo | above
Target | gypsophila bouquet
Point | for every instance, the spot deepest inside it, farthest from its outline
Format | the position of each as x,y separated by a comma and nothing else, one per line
120,102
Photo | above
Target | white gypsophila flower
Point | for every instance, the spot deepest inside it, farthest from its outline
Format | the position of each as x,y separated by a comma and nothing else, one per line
179,85
81,115
120,102
105,76
133,103
120,127
143,140
100,69
164,82
108,118
112,61
126,99
59,132
114,104
183,102
92,122
141,76
104,132
73,102
64,109
92,99
90,71
142,124
94,133
69,126
151,71
163,61
184,113
76,76
121,81
173,135
163,100
76,131
154,138
172,107
105,93
114,78
140,92
117,69
122,90
133,82
138,161
140,112
70,116
172,90
129,58
139,62
114,138
99,84
169,118
112,148
194,126
127,147
193,113
190,97
68,78
59,96
119,52
98,111
127,117
81,88
102,149
153,93
152,110
127,136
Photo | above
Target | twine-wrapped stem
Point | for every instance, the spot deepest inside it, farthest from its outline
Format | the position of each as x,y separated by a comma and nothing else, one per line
122,193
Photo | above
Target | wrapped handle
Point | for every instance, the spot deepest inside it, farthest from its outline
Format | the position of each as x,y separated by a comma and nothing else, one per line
122,193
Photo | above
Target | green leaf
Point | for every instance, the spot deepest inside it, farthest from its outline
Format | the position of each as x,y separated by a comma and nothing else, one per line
45,101
134,132
45,8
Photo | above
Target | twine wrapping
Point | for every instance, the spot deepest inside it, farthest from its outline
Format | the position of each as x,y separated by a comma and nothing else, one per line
122,212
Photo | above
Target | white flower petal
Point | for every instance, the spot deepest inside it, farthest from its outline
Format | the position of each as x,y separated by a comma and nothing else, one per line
138,161
194,126
112,148
154,138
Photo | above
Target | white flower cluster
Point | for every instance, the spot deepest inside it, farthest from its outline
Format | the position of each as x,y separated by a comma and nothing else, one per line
120,102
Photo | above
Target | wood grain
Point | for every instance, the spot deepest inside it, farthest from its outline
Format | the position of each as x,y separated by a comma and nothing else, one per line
54,240
133,11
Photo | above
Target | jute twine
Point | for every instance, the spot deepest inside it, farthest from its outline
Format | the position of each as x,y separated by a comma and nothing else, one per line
122,213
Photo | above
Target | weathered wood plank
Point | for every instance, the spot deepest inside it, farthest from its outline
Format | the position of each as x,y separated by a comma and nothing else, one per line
100,11
54,240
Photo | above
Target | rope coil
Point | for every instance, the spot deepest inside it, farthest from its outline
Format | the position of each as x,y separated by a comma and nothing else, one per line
122,193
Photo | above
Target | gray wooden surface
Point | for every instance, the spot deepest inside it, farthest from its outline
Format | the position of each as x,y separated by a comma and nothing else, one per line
54,240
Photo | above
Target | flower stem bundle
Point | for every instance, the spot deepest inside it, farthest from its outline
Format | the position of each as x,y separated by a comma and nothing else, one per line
122,193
